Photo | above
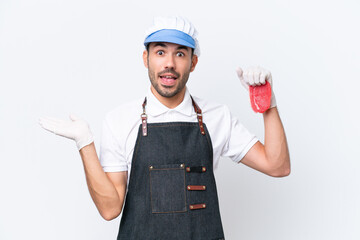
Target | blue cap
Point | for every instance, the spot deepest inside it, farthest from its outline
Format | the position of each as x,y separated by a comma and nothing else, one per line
171,36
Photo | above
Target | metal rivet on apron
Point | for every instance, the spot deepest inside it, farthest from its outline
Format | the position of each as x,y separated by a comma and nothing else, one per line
182,165
204,169
204,187
191,207
203,205
151,167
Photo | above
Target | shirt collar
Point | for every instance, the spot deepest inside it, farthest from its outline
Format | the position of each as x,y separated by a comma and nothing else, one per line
155,108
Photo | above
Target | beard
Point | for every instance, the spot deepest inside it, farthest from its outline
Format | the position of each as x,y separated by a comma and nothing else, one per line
168,91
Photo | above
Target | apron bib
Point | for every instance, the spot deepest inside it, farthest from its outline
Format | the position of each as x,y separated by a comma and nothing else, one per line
172,191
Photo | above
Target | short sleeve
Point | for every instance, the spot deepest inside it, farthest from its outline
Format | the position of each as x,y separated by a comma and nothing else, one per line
239,140
111,153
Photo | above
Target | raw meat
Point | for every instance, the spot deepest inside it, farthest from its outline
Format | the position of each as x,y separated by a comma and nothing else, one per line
260,97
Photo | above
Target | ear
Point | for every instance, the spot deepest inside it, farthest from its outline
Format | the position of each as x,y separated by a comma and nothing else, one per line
194,61
145,56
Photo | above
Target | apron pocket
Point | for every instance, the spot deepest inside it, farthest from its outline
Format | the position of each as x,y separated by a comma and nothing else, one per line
167,188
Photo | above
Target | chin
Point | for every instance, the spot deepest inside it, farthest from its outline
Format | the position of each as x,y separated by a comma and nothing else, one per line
167,92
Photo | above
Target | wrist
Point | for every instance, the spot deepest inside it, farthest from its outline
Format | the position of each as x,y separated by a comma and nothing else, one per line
269,111
273,100
84,141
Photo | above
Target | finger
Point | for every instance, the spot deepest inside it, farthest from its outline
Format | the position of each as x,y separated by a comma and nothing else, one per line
57,124
269,77
245,85
251,80
73,117
53,125
262,78
239,72
45,121
49,126
257,78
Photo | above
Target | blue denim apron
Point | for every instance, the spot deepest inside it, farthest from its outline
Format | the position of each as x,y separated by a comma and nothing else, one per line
172,191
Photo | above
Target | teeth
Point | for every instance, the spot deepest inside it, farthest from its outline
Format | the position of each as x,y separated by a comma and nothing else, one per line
168,77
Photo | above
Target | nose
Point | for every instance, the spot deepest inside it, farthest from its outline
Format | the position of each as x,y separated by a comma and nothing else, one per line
170,61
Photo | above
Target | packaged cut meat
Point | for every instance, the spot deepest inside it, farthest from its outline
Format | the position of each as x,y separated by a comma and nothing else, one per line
260,97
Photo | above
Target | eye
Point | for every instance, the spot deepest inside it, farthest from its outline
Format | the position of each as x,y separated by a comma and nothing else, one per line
180,54
160,52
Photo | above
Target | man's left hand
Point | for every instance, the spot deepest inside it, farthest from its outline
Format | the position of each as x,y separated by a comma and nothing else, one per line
256,76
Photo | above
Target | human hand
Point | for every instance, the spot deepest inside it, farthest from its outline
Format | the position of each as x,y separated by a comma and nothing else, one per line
77,129
256,76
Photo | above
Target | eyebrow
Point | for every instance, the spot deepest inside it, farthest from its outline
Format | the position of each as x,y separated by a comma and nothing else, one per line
183,47
160,44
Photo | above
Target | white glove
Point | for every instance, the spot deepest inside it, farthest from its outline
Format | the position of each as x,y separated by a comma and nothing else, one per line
76,129
255,76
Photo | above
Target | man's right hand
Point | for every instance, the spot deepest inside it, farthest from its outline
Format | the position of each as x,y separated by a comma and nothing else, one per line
77,129
106,189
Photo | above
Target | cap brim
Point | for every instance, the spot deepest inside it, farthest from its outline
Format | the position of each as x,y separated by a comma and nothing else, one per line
171,36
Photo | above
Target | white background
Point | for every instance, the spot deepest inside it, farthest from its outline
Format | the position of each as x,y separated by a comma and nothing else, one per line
82,56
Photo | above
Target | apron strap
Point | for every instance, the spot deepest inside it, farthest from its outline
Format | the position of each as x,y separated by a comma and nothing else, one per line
196,108
144,119
199,116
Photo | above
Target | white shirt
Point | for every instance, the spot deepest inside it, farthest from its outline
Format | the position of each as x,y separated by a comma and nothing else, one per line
120,128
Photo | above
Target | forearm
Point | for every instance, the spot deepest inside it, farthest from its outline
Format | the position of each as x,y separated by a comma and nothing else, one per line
102,190
276,147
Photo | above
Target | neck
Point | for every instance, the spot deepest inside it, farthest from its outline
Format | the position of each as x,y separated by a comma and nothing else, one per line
171,102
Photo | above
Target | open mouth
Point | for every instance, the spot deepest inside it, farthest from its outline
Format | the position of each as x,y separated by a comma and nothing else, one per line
168,79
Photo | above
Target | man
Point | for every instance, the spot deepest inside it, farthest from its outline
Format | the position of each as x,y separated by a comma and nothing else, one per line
163,160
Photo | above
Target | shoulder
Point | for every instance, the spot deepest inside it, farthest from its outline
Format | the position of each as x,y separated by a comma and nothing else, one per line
212,108
216,116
